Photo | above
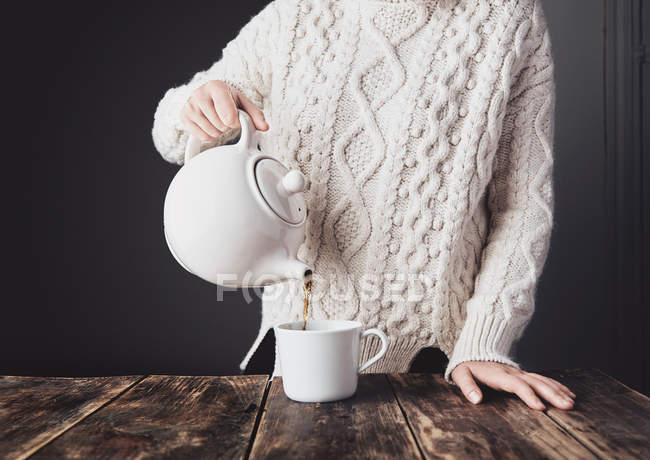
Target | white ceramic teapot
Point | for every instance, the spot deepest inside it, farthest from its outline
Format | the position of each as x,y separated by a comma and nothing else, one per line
234,216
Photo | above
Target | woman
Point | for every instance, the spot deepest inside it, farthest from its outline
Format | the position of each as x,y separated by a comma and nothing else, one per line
425,132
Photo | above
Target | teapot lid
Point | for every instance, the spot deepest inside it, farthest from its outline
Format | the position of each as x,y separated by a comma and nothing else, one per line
281,189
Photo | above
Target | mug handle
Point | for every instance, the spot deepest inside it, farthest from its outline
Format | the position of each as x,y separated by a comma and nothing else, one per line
384,347
246,140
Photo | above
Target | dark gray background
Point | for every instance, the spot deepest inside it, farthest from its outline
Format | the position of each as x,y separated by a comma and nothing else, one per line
90,287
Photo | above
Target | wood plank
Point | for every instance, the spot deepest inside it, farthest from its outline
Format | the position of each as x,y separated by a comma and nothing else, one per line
609,418
35,410
446,425
367,425
169,416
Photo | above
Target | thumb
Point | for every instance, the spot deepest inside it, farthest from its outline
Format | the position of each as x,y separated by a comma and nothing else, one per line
465,381
251,109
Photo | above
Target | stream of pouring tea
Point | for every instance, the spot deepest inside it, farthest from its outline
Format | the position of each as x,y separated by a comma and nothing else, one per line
305,309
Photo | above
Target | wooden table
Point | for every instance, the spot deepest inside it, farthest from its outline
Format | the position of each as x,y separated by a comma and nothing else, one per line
391,416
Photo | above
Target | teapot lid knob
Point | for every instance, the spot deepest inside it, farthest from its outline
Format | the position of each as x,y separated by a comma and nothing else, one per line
293,182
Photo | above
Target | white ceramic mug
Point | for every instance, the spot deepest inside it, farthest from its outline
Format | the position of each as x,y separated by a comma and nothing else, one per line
321,363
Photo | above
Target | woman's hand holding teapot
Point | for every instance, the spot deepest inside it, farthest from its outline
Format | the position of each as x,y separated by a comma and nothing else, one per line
212,110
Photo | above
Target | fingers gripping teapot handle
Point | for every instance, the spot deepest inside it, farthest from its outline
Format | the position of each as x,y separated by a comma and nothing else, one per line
246,137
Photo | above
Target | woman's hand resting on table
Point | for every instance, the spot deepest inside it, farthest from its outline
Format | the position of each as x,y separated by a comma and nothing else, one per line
528,386
212,110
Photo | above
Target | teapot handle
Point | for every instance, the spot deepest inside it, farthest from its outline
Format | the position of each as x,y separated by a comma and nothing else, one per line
193,147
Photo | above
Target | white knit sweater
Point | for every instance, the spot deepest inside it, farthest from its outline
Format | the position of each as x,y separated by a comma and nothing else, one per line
425,131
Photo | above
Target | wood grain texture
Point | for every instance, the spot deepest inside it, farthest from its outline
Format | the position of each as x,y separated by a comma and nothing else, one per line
169,416
609,418
35,410
447,426
368,425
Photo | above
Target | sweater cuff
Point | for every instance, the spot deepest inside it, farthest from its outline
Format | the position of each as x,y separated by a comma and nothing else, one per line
168,135
484,337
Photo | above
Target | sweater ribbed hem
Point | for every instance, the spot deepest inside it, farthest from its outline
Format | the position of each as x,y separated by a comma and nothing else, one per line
484,337
398,358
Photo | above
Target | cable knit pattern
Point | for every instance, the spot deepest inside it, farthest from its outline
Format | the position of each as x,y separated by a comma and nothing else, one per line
425,130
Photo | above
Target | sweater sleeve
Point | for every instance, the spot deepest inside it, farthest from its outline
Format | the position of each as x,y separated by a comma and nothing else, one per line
245,64
520,199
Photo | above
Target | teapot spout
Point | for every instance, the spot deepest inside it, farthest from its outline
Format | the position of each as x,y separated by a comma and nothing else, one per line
294,269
